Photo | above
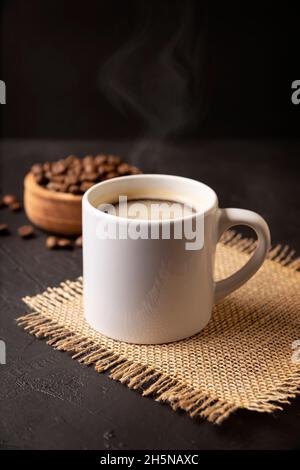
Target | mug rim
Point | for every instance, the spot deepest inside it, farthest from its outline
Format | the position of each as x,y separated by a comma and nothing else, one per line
213,204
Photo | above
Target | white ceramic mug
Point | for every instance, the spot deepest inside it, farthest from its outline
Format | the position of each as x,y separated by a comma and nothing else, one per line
155,290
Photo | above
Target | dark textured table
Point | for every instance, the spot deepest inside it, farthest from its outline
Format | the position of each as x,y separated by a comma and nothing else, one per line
49,401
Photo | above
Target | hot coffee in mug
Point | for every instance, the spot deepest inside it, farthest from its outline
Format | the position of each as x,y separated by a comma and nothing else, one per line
151,209
146,279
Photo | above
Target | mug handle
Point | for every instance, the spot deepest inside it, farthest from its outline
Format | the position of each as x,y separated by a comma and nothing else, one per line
228,218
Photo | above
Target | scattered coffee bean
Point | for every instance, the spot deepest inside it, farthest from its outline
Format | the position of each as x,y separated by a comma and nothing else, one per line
15,206
9,199
51,242
4,229
64,243
78,242
75,175
26,231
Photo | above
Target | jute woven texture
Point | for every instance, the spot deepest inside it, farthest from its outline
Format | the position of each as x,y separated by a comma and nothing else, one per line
242,359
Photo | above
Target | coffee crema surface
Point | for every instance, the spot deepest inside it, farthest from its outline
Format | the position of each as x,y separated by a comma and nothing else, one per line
148,209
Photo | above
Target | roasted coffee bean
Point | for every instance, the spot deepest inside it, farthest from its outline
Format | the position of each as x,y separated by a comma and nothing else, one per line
75,170
15,206
87,160
74,189
51,242
59,187
105,168
89,176
89,167
109,167
58,167
75,163
123,169
58,178
71,179
64,243
101,170
85,185
4,229
53,186
47,166
99,159
48,175
63,187
113,160
70,159
78,242
37,168
26,231
9,199
111,174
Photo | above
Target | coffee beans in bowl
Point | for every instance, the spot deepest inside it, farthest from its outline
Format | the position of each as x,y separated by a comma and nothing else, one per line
53,190
76,175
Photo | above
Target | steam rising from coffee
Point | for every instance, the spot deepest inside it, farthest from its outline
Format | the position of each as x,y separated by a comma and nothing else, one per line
157,73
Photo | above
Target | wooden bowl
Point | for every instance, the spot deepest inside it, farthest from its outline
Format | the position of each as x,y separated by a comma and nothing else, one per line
52,211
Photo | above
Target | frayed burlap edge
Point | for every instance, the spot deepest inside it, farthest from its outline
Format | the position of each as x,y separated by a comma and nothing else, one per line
149,381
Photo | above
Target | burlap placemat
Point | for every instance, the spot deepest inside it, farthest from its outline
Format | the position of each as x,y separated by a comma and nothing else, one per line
244,358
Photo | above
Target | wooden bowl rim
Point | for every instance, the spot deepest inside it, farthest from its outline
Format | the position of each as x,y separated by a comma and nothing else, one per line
31,185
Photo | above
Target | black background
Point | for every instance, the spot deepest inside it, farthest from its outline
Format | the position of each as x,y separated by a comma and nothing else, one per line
229,70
